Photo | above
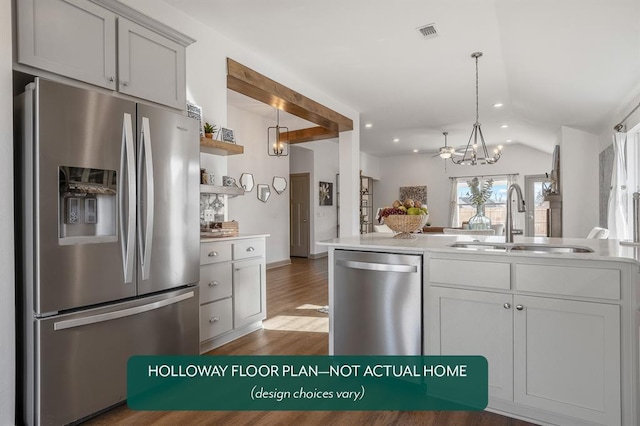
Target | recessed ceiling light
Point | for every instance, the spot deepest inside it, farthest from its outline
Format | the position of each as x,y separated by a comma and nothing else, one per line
498,105
415,150
504,126
396,140
368,125
509,140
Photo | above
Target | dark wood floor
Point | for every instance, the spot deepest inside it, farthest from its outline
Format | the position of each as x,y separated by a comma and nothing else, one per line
293,294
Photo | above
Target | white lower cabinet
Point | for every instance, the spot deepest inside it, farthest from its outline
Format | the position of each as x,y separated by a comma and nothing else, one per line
467,322
232,290
249,298
560,356
215,318
567,357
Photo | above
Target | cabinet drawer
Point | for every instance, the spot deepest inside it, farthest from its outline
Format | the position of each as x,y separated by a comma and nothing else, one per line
570,281
248,248
215,318
470,273
214,252
215,282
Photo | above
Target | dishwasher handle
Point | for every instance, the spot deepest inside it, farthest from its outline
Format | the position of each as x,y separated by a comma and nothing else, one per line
379,267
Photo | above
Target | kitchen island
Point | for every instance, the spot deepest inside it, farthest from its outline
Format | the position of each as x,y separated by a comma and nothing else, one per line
557,319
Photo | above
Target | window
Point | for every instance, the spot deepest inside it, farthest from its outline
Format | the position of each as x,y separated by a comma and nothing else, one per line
495,208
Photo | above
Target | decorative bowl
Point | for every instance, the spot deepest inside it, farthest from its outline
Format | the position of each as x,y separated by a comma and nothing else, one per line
405,224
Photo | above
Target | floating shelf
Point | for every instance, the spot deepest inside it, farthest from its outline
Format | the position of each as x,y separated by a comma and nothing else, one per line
216,147
221,190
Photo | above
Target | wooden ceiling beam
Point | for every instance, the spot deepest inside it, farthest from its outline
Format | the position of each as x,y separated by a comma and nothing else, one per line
257,86
308,135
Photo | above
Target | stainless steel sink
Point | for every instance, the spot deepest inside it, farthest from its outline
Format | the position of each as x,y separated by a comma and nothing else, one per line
533,248
543,248
474,245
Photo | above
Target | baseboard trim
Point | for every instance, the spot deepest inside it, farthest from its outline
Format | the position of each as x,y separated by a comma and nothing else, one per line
229,336
318,255
278,264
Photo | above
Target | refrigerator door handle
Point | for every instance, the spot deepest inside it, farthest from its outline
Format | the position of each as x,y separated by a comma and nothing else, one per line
145,241
128,170
108,316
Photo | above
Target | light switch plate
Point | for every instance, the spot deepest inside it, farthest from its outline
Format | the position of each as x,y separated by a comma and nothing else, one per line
209,215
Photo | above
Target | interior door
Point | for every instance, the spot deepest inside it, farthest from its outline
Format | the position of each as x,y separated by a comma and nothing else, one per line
299,215
168,200
536,216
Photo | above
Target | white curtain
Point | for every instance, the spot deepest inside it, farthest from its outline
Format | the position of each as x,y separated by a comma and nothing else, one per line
453,203
617,220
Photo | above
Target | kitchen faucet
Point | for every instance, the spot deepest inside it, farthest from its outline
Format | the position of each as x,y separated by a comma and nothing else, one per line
521,209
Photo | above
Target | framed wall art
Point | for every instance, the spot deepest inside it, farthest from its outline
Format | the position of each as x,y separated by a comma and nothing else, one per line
326,193
418,193
227,135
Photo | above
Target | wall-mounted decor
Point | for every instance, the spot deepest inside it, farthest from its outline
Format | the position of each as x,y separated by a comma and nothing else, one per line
228,181
227,135
418,193
195,112
326,193
279,184
246,182
263,192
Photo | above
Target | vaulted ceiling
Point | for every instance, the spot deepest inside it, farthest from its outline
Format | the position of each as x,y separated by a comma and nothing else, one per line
549,62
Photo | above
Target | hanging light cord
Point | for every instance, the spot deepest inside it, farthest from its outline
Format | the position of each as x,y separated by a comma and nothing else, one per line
477,107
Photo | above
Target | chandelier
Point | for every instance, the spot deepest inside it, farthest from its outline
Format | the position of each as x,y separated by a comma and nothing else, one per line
277,146
475,153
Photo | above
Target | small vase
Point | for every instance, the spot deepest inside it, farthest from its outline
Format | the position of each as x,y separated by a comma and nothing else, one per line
479,221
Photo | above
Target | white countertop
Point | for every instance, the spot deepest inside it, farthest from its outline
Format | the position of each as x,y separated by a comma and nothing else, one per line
609,250
237,237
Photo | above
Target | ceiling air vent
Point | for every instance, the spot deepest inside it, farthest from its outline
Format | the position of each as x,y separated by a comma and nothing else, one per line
428,31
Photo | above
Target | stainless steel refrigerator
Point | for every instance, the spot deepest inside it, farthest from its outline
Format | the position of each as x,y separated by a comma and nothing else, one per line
109,245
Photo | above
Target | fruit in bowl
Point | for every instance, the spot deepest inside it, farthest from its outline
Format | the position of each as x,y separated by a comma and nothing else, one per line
407,207
404,217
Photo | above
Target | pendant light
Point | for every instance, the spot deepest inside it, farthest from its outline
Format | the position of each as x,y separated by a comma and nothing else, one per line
277,145
475,153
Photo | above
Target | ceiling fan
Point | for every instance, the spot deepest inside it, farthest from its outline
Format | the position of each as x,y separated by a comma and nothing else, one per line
446,152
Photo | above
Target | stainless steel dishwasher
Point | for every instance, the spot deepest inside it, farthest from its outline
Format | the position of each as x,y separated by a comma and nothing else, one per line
376,306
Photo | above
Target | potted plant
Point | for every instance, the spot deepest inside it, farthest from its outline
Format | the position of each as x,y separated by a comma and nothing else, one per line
209,130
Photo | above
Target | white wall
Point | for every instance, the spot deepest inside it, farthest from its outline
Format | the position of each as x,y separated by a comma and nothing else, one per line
423,169
7,286
254,216
325,169
320,160
370,165
579,182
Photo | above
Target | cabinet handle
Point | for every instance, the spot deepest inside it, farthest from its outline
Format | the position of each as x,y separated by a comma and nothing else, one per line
213,283
111,79
250,249
507,305
125,83
519,307
214,319
213,253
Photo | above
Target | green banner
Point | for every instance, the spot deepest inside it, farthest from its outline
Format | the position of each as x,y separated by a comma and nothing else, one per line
332,383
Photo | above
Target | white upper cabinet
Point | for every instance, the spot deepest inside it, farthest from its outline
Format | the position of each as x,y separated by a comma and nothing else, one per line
150,66
74,38
77,39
